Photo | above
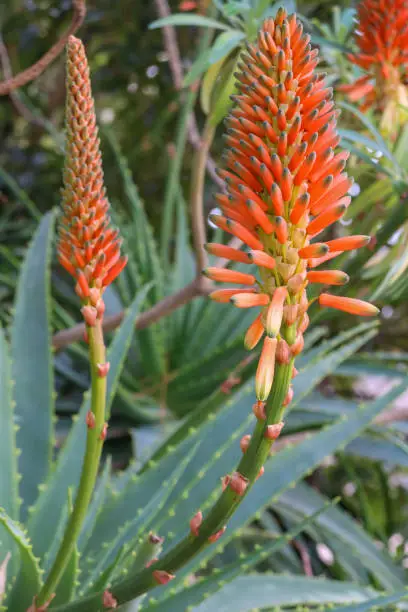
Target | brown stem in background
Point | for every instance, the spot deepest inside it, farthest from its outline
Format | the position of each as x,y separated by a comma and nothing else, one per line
197,199
198,287
8,74
177,72
34,71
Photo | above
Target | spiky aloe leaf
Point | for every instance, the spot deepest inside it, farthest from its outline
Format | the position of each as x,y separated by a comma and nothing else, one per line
28,581
337,524
8,453
67,584
144,249
132,528
46,513
32,371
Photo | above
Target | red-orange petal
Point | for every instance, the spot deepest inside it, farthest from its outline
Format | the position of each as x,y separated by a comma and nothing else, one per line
227,252
348,243
350,305
254,333
260,258
328,277
248,300
266,369
222,275
223,296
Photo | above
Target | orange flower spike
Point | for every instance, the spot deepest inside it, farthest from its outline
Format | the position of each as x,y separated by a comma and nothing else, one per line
285,184
382,51
87,248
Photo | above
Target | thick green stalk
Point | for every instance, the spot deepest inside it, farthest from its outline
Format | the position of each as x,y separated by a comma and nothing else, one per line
94,444
252,461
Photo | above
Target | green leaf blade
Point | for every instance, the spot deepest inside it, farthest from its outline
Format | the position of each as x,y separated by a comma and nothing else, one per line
32,364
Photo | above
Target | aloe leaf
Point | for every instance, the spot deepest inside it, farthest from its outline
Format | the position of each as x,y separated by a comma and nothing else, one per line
125,514
374,604
337,524
286,468
8,453
208,586
32,371
133,529
28,581
67,584
46,513
269,590
181,19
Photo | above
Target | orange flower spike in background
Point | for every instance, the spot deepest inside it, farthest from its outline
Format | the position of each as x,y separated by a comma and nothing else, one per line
88,246
381,36
285,185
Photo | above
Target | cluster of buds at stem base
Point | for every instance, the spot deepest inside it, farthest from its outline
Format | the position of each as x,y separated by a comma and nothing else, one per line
285,186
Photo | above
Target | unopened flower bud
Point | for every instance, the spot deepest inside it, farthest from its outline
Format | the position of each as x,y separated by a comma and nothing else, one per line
90,314
104,432
260,473
266,369
289,397
94,296
162,577
298,345
216,536
155,539
304,324
290,313
238,483
149,563
109,601
100,308
295,372
259,410
90,419
225,480
283,352
103,369
295,284
272,431
275,312
245,440
196,522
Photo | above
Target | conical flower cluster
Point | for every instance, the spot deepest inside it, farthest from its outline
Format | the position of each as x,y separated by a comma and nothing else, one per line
88,247
285,185
381,36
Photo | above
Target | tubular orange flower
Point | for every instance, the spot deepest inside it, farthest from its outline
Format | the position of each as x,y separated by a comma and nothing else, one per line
381,36
88,247
285,185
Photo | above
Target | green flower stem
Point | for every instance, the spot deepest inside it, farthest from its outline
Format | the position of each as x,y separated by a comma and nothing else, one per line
139,582
94,444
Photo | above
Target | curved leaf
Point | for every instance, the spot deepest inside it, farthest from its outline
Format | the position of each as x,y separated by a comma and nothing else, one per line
31,355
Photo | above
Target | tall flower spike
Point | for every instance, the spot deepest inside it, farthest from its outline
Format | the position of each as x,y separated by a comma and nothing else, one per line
285,185
88,247
381,36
